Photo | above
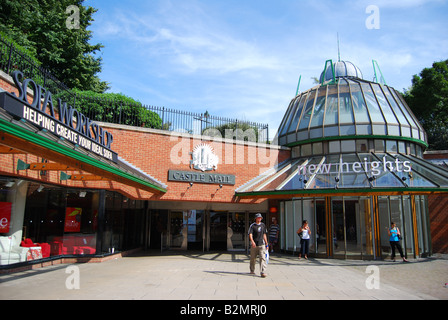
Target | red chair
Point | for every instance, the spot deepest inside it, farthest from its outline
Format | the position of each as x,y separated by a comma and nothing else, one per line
45,247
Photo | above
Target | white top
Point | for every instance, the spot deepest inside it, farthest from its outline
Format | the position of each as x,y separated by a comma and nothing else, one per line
305,234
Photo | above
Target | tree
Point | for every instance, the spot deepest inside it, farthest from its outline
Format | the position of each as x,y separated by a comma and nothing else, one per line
428,100
42,27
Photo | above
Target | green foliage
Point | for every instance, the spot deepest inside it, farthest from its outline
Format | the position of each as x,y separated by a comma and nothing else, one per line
235,131
116,108
428,100
40,27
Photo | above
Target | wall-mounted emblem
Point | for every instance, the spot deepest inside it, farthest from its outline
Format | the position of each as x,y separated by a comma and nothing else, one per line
203,158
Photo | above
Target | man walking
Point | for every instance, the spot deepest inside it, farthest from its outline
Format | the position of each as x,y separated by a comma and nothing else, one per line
258,243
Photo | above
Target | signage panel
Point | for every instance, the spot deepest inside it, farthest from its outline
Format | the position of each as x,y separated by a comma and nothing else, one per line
69,123
201,177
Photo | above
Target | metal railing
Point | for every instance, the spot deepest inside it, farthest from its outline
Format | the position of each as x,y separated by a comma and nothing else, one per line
135,114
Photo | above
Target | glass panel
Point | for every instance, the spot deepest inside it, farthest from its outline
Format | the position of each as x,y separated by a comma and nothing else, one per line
334,146
414,174
306,150
326,176
308,215
359,104
317,148
345,105
337,209
372,104
396,215
379,146
348,146
362,145
290,235
401,147
384,217
365,234
292,109
401,118
391,146
218,230
353,175
195,229
307,112
319,108
331,131
387,111
237,232
298,114
348,130
352,231
403,109
408,233
299,180
178,231
321,227
331,112
380,173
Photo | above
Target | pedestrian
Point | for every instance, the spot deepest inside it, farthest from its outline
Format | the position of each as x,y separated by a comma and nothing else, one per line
273,234
258,244
394,240
304,232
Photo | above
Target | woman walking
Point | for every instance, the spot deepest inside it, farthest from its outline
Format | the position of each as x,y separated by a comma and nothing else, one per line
304,232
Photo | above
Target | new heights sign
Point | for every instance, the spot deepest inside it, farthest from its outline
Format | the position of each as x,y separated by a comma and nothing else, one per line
374,168
69,123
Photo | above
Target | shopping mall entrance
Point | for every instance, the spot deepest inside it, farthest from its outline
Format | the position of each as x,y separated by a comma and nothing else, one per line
200,230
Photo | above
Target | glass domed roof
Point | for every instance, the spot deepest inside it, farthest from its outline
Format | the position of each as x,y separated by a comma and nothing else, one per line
341,69
348,108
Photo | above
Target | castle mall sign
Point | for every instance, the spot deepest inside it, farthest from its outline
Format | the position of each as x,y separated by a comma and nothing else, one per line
203,159
69,123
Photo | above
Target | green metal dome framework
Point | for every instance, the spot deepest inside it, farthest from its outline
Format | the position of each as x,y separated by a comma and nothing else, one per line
345,106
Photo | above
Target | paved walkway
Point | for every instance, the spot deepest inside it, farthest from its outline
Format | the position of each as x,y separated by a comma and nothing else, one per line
225,276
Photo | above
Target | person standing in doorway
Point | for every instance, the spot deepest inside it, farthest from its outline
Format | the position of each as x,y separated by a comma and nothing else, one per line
274,230
305,234
258,244
394,240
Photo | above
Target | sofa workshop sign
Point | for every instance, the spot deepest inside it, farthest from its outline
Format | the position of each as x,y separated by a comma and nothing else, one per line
69,123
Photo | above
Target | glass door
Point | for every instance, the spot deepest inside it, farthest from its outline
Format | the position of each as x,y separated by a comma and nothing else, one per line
236,232
217,230
337,209
177,230
195,229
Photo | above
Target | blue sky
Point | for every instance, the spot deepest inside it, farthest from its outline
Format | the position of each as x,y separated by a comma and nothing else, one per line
242,59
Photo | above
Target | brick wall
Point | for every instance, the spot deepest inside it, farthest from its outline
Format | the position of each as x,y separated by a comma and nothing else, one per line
156,152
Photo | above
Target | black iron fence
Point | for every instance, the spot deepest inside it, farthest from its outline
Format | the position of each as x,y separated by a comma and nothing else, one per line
130,113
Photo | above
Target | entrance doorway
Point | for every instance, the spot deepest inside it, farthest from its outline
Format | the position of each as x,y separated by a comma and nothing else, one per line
352,226
199,230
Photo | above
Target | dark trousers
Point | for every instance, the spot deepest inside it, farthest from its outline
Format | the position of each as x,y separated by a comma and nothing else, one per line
396,244
304,246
